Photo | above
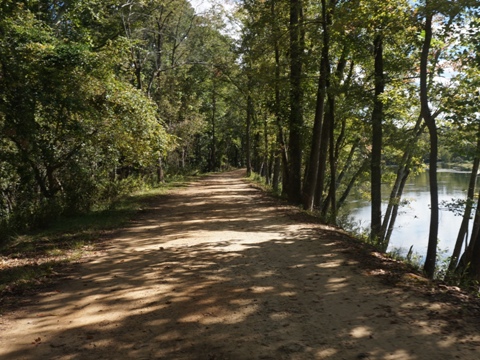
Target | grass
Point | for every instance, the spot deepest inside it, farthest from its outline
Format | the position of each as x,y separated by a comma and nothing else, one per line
32,259
259,181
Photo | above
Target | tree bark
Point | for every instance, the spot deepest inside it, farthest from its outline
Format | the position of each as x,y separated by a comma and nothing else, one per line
248,150
462,232
397,190
391,223
352,182
160,173
213,144
348,162
296,99
322,163
467,256
282,154
377,134
431,258
474,269
313,164
329,210
266,151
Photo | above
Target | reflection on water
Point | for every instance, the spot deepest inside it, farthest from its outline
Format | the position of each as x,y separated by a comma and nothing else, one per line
413,221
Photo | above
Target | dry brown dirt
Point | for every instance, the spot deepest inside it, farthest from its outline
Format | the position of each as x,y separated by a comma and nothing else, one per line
219,270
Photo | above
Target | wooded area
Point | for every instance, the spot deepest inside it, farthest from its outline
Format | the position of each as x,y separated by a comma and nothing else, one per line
318,97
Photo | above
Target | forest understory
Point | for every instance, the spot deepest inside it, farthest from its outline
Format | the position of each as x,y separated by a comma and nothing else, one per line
220,270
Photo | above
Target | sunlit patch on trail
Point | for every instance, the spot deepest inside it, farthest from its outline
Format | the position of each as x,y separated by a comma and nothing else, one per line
361,332
326,353
330,264
261,289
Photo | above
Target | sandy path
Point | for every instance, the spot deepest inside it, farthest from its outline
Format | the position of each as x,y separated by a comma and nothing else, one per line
216,271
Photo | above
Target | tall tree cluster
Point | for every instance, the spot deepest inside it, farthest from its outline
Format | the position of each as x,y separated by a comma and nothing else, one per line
97,96
357,94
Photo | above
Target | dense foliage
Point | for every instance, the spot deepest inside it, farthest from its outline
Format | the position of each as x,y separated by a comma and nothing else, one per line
97,96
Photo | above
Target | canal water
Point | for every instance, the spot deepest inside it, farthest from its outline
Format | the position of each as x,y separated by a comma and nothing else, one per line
413,221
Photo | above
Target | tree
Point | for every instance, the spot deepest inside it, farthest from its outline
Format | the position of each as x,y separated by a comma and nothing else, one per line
311,177
462,112
295,148
429,119
451,12
58,125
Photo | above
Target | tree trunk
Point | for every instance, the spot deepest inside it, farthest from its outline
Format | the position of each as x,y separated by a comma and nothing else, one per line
351,183
466,258
462,232
474,269
248,150
397,189
296,101
430,261
276,172
313,164
256,160
322,163
348,162
333,164
160,173
213,144
329,205
282,153
377,134
266,151
393,217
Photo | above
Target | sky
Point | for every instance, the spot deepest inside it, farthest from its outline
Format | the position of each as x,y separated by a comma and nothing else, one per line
201,5
204,5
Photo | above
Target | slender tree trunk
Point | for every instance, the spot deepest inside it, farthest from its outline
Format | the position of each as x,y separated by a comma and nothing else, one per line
213,144
183,158
430,261
333,164
282,153
322,163
276,172
393,217
397,190
470,261
257,161
158,54
160,173
330,204
296,100
348,162
462,232
467,256
474,270
394,200
248,146
266,151
313,164
138,74
377,135
351,183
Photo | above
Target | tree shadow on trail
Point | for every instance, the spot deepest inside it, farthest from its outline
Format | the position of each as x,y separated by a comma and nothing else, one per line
221,274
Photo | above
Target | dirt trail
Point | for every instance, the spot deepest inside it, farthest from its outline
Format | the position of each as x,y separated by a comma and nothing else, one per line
217,271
